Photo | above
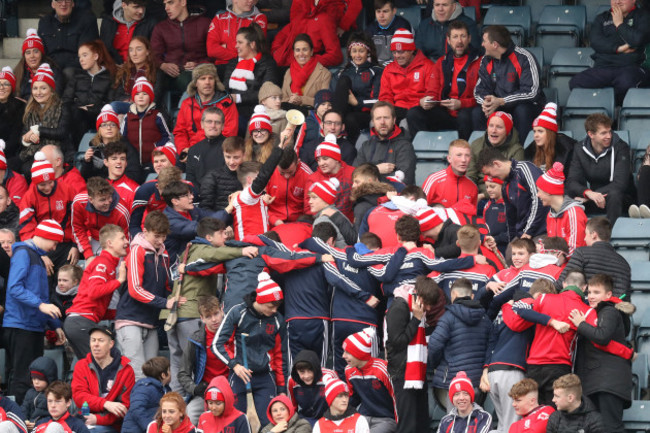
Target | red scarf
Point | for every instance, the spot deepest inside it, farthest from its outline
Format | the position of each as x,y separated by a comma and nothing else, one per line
416,353
300,74
613,347
243,71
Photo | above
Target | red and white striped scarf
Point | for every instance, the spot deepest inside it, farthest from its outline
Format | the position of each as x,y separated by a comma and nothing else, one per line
243,71
416,355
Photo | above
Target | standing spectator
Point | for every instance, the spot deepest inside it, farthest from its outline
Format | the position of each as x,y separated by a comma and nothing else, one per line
288,184
12,110
115,161
574,412
409,78
140,63
207,155
389,148
218,184
601,171
178,44
465,414
129,19
534,416
381,30
64,30
508,80
549,145
33,56
618,36
494,212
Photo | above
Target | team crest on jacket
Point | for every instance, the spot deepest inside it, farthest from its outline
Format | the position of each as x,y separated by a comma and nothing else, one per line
416,76
270,328
297,191
376,384
365,76
511,77
229,429
542,416
59,205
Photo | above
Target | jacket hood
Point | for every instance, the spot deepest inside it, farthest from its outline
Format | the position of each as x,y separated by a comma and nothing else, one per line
370,188
469,311
310,357
29,244
475,409
567,204
118,12
455,14
115,200
403,291
221,383
285,401
46,366
613,148
540,260
140,240
251,13
71,292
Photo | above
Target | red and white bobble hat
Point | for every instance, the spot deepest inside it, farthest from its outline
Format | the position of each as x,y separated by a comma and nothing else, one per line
552,182
428,219
328,148
42,170
3,158
142,85
327,190
260,120
398,177
45,74
461,383
49,229
8,74
169,150
487,178
359,345
267,289
402,40
214,394
33,41
107,115
548,117
334,387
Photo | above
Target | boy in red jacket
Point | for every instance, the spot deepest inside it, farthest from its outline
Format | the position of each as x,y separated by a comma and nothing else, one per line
534,416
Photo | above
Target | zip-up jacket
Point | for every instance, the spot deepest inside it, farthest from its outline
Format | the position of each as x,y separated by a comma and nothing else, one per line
185,426
223,30
585,418
86,387
177,42
534,422
195,359
145,400
507,347
145,131
86,89
431,35
87,221
382,36
36,207
291,197
15,184
568,223
365,80
396,149
605,38
478,275
116,33
61,39
478,421
455,78
371,389
203,157
72,177
405,86
70,423
447,188
524,210
126,188
10,411
188,131
216,187
231,420
35,403
309,400
182,228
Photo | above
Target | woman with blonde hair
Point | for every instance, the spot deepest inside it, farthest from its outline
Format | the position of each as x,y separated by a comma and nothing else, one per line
171,416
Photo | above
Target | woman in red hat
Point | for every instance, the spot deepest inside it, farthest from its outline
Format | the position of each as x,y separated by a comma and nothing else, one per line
549,145
33,56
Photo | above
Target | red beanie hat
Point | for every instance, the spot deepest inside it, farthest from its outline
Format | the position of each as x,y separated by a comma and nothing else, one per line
45,74
8,74
107,115
507,119
142,85
461,383
547,119
49,229
214,394
428,219
33,41
169,150
402,40
260,120
326,189
267,289
3,158
42,170
359,345
329,148
552,182
334,387
487,178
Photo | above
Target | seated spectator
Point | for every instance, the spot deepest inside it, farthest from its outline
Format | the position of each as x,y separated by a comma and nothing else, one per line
88,92
115,161
262,140
465,412
282,414
68,279
306,76
221,413
63,171
432,35
288,184
600,174
207,155
140,63
59,416
508,80
356,85
366,190
332,124
218,184
32,58
270,95
566,217
172,416
178,43
12,110
14,183
494,212
205,90
642,210
46,120
574,412
129,19
144,126
146,395
64,30
340,413
252,67
451,102
389,148
9,213
618,36
314,120
222,35
43,372
409,78
381,30
549,145
499,135
307,386
534,416
101,205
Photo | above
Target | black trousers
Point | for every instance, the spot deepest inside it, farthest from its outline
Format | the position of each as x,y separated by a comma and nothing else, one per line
412,406
545,375
439,119
22,348
611,408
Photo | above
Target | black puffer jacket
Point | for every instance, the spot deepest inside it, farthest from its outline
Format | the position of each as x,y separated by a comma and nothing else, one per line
11,114
25,85
203,157
265,70
9,218
35,403
563,152
583,419
109,27
216,186
86,89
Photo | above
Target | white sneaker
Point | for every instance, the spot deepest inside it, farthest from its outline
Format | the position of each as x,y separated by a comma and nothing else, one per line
645,211
634,212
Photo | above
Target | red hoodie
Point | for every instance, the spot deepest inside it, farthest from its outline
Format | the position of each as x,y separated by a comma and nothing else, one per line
291,197
185,426
231,419
447,188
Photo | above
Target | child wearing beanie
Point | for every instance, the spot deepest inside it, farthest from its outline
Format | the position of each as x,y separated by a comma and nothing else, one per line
270,96
465,415
341,416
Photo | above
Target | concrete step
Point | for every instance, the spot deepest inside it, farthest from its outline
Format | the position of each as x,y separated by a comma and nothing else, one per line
26,23
8,62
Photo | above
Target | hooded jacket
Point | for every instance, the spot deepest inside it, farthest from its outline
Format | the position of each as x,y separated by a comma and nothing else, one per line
188,131
231,419
478,421
405,86
223,30
459,343
36,207
365,197
431,35
35,403
68,422
116,33
10,218
397,149
145,400
308,400
585,418
510,149
177,42
296,423
568,222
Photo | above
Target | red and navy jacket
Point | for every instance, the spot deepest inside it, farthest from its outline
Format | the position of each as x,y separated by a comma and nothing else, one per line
540,266
534,422
291,196
455,78
447,188
145,131
569,223
266,345
309,400
478,274
96,289
148,281
36,207
513,77
10,411
87,221
70,424
85,388
371,389
223,31
293,233
126,188
15,184
524,210
507,347
494,214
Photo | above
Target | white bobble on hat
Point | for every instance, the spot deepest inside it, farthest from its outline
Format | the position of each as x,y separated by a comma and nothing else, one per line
330,138
263,276
335,182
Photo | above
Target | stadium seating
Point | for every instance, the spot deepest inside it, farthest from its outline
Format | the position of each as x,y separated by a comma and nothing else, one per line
475,135
431,150
469,12
516,18
638,149
412,14
582,103
631,239
529,138
56,355
537,6
84,145
634,113
637,417
592,7
639,375
538,53
566,63
560,26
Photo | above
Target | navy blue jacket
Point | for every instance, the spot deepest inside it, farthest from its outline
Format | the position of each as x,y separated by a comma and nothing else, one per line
183,230
524,210
365,81
10,411
35,403
494,215
431,35
75,423
145,399
605,38
459,343
507,348
195,358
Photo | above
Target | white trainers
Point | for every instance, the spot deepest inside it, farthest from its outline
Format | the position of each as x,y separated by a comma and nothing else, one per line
645,211
634,212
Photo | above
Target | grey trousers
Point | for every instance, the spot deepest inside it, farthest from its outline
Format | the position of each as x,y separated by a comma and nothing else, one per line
500,384
381,425
139,345
195,408
177,338
76,331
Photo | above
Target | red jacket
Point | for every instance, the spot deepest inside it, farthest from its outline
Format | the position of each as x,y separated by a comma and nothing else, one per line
343,12
321,29
36,207
185,426
534,422
188,129
404,87
96,289
85,388
87,221
291,197
344,176
223,30
16,185
73,179
293,233
446,188
569,224
446,70
125,187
